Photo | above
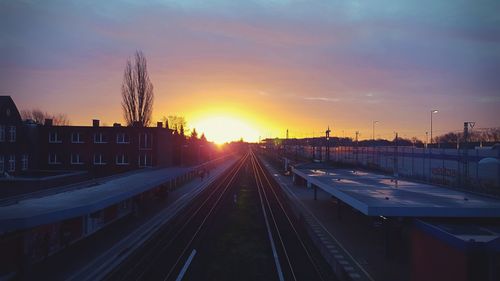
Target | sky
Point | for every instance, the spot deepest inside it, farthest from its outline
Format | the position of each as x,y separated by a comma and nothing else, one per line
253,69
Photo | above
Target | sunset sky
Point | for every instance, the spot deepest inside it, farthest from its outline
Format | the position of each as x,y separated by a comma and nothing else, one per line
255,68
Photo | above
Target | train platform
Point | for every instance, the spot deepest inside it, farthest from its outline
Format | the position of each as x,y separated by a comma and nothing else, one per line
354,248
93,256
371,247
381,195
31,212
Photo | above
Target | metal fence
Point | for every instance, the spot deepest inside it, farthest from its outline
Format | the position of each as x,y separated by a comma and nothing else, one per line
464,168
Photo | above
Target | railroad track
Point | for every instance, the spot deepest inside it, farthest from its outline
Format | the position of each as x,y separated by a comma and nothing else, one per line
292,249
163,257
168,254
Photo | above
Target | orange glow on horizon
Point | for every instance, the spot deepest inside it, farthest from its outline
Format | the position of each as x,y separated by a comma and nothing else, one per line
225,128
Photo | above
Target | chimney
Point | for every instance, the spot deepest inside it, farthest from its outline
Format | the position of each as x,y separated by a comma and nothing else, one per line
48,122
159,124
117,125
95,123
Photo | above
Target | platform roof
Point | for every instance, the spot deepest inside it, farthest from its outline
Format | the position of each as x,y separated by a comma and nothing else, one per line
377,195
38,211
464,235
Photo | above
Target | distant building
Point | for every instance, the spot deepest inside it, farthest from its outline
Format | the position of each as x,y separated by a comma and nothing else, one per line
26,146
15,146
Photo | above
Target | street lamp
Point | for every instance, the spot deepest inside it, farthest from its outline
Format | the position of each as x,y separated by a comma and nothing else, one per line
432,112
426,139
373,132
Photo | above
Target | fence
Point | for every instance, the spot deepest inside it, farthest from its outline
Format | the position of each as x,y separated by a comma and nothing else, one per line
464,168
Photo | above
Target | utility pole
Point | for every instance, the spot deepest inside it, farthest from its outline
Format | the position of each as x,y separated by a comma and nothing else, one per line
285,144
466,151
395,162
357,134
327,133
373,144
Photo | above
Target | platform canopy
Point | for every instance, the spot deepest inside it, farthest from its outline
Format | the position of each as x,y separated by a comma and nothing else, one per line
37,211
380,195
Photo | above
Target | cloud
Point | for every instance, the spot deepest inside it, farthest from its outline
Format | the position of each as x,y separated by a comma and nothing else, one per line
322,99
408,52
489,99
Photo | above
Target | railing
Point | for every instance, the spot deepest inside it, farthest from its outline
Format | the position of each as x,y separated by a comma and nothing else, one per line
450,167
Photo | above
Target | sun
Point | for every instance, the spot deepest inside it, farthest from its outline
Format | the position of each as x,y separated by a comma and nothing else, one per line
221,129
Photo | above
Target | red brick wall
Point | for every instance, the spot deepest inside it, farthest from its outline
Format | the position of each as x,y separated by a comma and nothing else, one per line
433,259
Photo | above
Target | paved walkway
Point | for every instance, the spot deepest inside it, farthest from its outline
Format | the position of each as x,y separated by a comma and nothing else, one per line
359,244
65,263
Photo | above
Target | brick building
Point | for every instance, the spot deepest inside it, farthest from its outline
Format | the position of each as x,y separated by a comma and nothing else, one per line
26,146
15,139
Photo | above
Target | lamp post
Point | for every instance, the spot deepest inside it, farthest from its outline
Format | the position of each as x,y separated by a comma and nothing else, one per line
432,112
373,132
426,139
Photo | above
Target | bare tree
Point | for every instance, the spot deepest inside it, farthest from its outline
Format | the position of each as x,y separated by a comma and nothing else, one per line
39,116
175,122
479,135
137,91
181,131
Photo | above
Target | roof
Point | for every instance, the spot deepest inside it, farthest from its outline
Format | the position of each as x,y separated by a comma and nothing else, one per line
377,195
8,110
465,235
57,207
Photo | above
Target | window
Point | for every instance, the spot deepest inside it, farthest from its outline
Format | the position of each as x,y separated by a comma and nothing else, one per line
2,164
121,159
12,134
24,162
76,159
122,138
99,138
145,141
99,159
54,137
12,163
53,159
145,160
2,133
76,138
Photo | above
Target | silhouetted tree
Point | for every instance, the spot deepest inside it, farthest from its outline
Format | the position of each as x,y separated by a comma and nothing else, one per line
181,131
39,116
175,121
194,135
166,124
203,138
137,91
478,135
450,137
486,135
